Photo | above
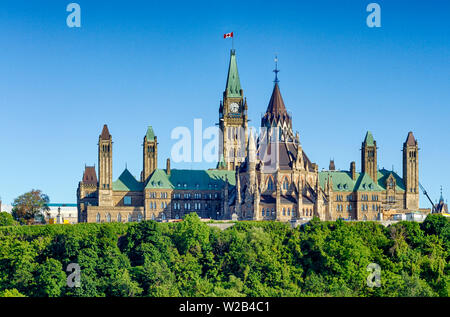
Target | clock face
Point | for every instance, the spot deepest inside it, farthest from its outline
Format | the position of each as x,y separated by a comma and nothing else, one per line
234,107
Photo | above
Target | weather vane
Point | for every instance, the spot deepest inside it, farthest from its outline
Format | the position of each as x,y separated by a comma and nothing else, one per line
276,71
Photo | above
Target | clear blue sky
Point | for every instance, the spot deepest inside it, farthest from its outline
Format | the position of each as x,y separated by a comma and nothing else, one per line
164,63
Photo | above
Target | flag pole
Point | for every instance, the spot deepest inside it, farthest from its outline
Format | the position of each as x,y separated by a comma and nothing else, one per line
232,42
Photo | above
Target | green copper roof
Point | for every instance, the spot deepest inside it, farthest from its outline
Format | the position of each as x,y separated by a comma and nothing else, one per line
233,86
127,182
383,174
342,181
190,179
159,179
150,134
369,138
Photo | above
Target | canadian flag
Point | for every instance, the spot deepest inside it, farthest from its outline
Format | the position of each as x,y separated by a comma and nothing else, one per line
227,35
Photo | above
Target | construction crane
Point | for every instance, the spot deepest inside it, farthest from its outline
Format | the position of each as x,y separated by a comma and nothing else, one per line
433,208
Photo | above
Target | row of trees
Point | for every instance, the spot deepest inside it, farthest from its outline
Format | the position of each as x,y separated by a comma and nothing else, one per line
191,258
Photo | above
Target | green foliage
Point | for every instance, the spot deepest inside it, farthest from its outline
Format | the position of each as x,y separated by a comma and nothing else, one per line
6,219
11,293
28,206
251,258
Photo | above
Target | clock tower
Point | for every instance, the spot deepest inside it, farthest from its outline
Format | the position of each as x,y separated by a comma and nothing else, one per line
232,120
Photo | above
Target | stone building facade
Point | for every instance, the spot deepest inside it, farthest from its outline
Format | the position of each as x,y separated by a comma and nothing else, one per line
260,175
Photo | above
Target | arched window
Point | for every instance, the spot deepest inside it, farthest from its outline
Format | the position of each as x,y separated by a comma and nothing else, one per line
119,218
129,218
97,218
153,216
108,217
285,184
263,212
139,217
273,212
270,184
163,216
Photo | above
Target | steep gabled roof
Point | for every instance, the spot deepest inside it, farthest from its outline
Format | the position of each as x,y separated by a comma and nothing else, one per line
233,86
191,179
410,140
89,175
342,181
276,113
105,133
383,174
150,135
276,103
368,140
127,182
159,179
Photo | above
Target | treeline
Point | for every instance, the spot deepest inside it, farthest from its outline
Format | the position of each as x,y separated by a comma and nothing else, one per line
190,258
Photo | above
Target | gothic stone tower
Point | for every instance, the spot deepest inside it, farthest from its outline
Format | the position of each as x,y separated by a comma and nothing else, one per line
369,157
150,154
411,172
232,120
105,168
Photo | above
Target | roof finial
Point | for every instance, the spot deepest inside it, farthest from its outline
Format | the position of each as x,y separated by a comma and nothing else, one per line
276,71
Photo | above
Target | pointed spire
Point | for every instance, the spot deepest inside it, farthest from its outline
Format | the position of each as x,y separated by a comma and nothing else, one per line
150,135
410,140
276,104
233,86
368,140
441,199
105,133
251,150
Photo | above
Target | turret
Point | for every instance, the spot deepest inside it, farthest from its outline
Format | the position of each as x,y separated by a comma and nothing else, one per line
411,171
232,120
105,167
150,154
369,157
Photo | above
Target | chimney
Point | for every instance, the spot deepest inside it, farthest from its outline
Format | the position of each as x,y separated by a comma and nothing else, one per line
353,170
168,166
